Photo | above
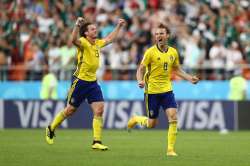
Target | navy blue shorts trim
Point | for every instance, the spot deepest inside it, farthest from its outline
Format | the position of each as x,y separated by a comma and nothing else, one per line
84,90
154,102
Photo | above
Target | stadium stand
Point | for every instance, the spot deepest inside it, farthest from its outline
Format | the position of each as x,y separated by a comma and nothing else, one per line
213,37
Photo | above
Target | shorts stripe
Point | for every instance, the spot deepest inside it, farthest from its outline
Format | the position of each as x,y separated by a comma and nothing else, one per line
72,89
146,102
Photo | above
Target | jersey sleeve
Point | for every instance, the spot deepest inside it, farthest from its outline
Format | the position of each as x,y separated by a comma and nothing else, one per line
176,59
100,43
146,58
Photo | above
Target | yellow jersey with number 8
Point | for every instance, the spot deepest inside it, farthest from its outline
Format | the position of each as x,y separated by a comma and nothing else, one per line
88,59
159,67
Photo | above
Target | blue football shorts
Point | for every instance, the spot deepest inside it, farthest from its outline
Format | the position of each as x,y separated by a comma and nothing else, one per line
154,102
81,90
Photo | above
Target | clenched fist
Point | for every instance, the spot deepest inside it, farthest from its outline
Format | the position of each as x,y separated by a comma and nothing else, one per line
80,21
121,22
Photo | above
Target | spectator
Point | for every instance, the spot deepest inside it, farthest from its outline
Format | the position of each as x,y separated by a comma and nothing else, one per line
25,22
217,55
233,58
238,87
35,65
54,59
49,85
118,60
67,53
193,54
44,22
3,64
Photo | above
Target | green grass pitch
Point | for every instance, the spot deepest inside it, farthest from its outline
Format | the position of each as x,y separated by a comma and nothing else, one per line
138,148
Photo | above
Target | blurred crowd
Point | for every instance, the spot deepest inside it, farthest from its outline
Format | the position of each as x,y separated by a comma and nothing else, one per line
212,36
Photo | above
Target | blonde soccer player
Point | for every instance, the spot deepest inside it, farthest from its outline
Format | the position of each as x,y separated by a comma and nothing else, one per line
154,74
84,85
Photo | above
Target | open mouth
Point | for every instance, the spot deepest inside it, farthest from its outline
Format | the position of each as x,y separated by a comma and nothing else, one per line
95,36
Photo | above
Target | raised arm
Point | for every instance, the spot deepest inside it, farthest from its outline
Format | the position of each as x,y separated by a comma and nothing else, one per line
140,74
181,73
110,38
74,36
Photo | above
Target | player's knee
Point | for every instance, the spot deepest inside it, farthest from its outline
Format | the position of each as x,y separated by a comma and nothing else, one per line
173,118
99,110
69,111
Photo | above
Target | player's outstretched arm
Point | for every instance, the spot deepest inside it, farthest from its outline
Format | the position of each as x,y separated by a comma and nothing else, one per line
110,38
139,75
74,36
181,73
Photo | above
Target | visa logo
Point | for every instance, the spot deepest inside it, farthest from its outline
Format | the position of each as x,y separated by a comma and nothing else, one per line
37,114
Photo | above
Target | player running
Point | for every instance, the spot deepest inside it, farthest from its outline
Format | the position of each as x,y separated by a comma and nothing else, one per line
84,84
154,73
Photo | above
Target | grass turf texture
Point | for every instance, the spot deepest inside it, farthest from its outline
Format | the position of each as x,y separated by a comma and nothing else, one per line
139,148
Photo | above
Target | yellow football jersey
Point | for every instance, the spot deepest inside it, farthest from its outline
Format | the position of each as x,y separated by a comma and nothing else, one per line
159,67
88,59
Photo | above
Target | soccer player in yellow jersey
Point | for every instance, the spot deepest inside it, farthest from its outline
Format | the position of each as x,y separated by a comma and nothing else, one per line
84,85
154,74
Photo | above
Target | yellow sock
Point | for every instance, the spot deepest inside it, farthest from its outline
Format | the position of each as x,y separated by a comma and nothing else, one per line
172,132
57,120
97,128
142,120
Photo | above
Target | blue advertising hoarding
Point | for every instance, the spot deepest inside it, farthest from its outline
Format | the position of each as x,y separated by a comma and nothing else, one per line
120,90
192,115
